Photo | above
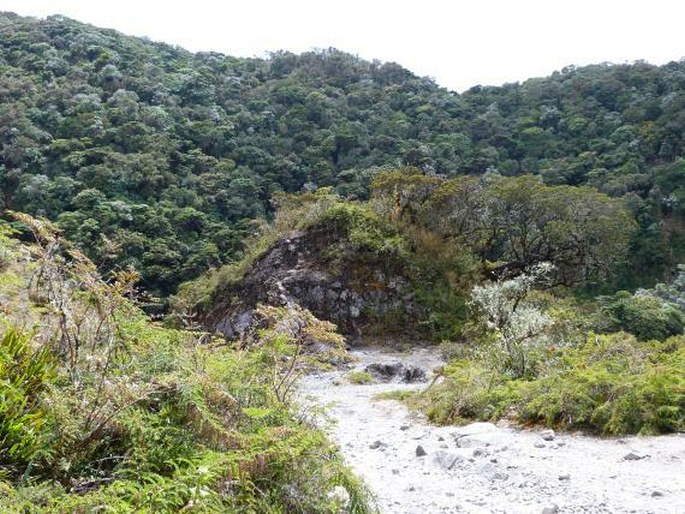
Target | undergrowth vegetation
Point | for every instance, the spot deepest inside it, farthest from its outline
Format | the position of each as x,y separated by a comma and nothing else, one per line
104,411
359,377
533,362
610,384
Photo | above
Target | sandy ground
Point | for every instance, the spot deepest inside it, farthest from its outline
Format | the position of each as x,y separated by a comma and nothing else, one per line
486,468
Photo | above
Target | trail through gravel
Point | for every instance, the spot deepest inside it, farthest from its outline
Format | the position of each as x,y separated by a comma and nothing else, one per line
485,468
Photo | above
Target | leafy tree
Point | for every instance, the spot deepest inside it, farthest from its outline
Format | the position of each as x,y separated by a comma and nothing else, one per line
582,232
516,223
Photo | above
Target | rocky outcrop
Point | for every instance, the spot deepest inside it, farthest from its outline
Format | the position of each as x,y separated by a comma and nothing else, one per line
319,270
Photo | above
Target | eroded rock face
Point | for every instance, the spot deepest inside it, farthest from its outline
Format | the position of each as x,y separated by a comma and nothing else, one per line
314,270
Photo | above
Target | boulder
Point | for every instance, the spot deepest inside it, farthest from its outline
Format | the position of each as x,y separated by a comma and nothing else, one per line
396,371
446,460
547,435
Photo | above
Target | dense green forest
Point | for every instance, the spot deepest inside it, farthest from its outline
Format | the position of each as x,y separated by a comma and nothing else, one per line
149,155
535,231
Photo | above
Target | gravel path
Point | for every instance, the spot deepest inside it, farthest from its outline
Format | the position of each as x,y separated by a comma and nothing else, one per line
486,468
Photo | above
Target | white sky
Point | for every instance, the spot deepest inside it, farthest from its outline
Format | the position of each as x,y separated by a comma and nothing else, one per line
458,43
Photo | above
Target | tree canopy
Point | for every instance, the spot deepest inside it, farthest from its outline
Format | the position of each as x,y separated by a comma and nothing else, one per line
516,223
149,155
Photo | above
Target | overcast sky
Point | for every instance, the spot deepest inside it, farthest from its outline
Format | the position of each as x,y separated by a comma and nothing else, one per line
458,43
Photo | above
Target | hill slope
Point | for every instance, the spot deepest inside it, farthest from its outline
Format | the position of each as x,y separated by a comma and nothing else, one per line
149,155
103,410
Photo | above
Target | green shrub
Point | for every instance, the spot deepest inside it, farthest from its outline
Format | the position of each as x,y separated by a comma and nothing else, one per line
25,374
610,384
359,377
399,395
466,393
646,317
362,231
127,416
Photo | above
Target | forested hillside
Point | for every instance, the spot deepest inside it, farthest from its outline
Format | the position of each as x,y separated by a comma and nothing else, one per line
288,209
149,155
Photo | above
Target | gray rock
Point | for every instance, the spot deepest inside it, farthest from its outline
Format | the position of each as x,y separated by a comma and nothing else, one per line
376,445
340,496
446,460
633,456
540,445
404,427
657,494
420,452
471,441
547,435
396,371
565,477
551,509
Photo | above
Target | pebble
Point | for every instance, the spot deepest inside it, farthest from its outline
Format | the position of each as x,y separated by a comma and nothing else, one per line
657,494
551,509
633,456
420,452
565,477
540,445
376,444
